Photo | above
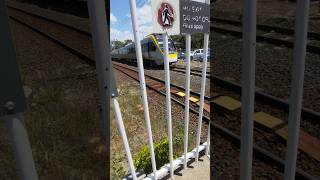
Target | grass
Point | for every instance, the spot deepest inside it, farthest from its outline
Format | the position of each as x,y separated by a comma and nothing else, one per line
130,105
65,135
132,113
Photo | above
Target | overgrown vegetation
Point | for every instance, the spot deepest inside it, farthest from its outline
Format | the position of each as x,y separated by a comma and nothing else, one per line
132,113
142,160
161,150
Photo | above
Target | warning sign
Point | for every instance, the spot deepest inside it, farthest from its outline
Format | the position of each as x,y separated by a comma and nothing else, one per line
194,17
166,16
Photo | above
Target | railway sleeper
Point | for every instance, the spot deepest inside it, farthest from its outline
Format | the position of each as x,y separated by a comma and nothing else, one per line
264,121
307,143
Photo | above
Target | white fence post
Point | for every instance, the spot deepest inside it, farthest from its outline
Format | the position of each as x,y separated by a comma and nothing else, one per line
248,87
168,99
21,146
97,15
123,136
299,54
208,141
142,82
187,94
203,88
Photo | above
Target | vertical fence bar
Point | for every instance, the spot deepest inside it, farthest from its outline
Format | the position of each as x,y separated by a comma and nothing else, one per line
248,87
203,88
100,39
13,104
208,141
21,147
299,54
168,99
123,136
187,92
135,28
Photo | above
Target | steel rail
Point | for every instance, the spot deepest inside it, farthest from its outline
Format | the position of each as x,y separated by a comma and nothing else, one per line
265,27
262,38
261,97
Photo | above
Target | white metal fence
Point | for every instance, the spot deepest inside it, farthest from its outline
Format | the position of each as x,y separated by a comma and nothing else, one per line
248,89
100,39
173,164
248,86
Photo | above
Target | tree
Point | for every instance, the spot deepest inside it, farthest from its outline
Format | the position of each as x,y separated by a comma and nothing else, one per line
179,41
128,41
117,44
197,40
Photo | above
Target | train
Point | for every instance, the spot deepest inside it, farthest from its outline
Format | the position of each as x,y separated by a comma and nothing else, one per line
152,51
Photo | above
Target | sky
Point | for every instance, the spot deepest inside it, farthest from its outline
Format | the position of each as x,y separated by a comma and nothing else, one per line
120,19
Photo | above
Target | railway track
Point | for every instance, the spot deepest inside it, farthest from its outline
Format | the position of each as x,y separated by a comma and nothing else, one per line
265,33
259,152
194,72
261,97
265,27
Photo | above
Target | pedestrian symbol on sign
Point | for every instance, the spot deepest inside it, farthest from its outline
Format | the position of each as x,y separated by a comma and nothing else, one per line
166,15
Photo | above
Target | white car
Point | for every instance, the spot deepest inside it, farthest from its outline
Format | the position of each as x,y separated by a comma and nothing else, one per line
197,54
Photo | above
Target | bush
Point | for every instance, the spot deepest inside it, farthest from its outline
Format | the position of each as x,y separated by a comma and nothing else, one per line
161,150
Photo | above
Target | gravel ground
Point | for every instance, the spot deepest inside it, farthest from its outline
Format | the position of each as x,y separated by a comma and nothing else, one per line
179,79
273,69
69,37
268,139
75,21
225,161
271,12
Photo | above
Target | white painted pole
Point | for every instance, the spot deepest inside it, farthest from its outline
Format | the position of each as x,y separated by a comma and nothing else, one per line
168,99
299,55
208,141
187,92
135,28
21,147
203,88
123,136
248,87
202,91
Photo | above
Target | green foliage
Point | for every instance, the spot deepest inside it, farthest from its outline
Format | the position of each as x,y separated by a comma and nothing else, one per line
161,150
117,44
197,41
128,41
179,41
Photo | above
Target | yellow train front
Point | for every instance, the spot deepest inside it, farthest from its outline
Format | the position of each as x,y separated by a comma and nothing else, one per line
152,50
